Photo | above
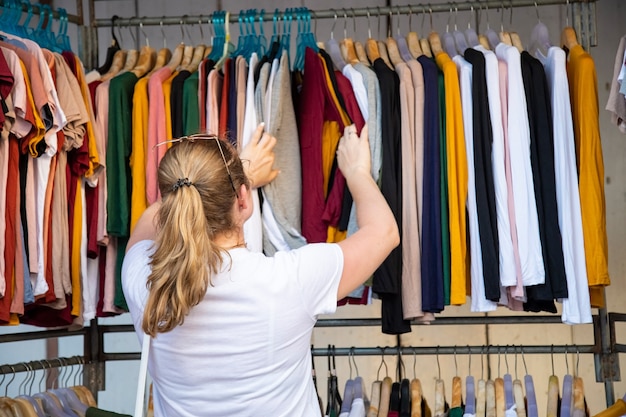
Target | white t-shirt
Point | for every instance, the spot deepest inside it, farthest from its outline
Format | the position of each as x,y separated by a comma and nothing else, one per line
244,350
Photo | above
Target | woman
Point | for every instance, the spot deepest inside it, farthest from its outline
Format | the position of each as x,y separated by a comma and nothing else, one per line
231,328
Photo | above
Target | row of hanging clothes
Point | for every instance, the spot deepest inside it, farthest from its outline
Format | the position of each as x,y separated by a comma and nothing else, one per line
467,193
616,103
503,395
56,392
488,154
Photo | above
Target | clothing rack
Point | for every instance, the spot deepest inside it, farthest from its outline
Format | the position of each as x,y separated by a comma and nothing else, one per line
583,18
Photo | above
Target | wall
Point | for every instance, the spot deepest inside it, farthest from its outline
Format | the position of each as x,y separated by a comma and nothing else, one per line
120,376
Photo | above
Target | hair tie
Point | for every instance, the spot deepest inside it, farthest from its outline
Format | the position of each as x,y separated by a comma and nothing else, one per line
180,182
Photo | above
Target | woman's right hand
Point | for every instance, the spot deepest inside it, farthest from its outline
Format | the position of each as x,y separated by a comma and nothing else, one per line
258,158
353,152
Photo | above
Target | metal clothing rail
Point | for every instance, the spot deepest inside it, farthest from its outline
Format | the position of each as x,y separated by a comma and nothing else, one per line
349,12
41,365
37,9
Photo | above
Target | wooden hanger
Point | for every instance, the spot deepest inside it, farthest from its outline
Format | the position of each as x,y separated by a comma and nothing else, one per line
490,397
517,42
393,52
371,47
413,42
426,47
500,399
132,56
505,38
146,61
360,53
187,57
568,37
348,50
199,53
177,57
482,39
382,49
163,57
385,396
457,395
440,397
118,63
416,398
374,399
435,43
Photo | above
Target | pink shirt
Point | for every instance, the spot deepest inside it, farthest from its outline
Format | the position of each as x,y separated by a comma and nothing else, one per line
156,131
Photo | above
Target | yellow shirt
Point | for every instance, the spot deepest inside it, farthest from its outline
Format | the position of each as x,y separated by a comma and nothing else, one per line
457,179
95,165
76,237
583,84
138,199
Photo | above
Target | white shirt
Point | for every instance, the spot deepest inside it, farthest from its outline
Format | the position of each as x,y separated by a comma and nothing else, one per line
576,308
358,85
526,218
506,254
244,350
479,302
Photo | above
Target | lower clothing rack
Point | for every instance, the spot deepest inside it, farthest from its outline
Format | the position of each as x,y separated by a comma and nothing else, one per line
605,348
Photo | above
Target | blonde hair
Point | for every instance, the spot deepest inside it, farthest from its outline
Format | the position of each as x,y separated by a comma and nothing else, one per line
198,179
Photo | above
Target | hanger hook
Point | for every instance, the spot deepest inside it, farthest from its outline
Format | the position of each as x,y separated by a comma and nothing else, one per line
332,29
410,16
353,22
201,30
482,362
350,362
552,357
506,358
382,362
414,363
345,23
566,361
511,15
537,11
144,32
469,360
132,35
515,353
567,13
6,389
356,368
369,24
501,15
379,19
456,15
430,11
471,16
456,365
398,10
390,27
438,364
577,360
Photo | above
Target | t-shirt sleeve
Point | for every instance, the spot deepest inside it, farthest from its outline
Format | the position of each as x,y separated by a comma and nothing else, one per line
135,272
320,266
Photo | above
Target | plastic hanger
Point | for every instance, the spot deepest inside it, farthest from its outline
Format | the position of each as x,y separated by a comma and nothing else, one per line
481,388
275,39
509,399
553,391
515,39
412,39
499,391
348,392
285,40
567,399
470,388
111,50
440,392
306,39
23,30
491,36
539,37
470,33
568,35
505,37
518,391
529,386
392,46
459,38
447,39
579,390
332,47
403,47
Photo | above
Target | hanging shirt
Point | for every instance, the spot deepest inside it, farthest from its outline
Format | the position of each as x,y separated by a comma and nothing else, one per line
213,100
432,257
457,179
544,179
526,218
581,74
176,103
576,308
139,151
156,131
616,103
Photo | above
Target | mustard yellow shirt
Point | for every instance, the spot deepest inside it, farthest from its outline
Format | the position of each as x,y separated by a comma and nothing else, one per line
583,86
457,179
138,199
167,94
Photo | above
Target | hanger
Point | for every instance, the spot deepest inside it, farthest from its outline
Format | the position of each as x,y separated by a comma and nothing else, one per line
334,400
553,390
111,50
509,399
424,43
440,394
568,35
457,386
499,390
188,49
579,390
470,387
348,50
163,56
459,37
412,39
333,49
392,46
470,34
199,52
416,391
515,39
119,59
518,390
403,47
481,388
371,46
531,399
147,57
375,398
491,36
504,36
539,37
285,41
567,399
349,391
385,390
448,38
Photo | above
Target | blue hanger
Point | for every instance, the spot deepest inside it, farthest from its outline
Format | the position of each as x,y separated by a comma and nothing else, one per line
218,39
62,39
242,35
285,42
262,40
